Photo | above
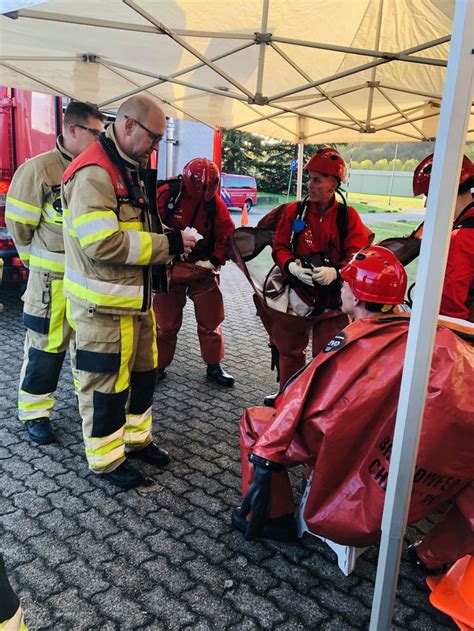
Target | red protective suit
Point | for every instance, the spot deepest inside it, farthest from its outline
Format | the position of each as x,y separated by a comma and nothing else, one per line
320,235
457,299
201,285
338,416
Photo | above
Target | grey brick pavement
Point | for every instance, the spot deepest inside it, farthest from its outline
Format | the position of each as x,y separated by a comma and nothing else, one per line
85,556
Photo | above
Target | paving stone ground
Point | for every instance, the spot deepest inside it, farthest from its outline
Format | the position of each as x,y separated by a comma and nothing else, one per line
83,555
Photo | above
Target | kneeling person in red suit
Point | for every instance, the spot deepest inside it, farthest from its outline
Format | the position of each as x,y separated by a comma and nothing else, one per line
338,417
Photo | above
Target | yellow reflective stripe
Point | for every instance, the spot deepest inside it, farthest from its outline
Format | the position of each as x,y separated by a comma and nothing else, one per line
126,350
20,219
24,251
139,248
40,405
51,266
154,343
96,236
102,300
137,428
104,450
56,322
19,204
93,216
131,225
95,226
52,261
69,317
54,222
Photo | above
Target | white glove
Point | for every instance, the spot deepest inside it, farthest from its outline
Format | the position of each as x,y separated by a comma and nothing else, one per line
206,264
324,275
303,274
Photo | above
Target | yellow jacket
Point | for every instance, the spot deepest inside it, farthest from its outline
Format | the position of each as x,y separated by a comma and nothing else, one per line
109,243
33,211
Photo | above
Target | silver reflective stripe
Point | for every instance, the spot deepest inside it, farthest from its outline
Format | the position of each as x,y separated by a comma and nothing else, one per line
96,226
56,257
104,287
32,215
134,248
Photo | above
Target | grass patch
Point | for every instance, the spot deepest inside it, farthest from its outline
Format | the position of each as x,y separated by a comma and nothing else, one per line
364,202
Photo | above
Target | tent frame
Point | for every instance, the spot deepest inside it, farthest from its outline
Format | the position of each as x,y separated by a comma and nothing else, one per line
235,90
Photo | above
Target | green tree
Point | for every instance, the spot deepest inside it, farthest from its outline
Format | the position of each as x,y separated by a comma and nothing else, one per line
366,164
381,165
410,165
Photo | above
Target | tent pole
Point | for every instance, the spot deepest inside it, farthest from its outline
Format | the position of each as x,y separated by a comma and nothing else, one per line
299,173
452,129
393,175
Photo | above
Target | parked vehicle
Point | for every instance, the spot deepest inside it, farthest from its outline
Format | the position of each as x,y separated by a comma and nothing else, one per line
237,190
29,124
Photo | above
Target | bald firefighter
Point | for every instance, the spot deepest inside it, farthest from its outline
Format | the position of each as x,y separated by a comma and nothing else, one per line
34,216
112,239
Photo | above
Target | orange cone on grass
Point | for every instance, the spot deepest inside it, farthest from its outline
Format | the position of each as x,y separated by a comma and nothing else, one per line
244,220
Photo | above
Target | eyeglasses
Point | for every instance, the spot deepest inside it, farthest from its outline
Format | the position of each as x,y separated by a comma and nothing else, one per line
154,138
95,132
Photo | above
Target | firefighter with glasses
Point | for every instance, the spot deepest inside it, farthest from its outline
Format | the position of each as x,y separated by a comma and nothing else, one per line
112,239
34,216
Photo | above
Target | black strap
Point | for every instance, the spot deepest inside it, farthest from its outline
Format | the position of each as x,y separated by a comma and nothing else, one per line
467,223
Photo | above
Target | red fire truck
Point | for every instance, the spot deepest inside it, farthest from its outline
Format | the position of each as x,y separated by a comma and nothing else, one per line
29,124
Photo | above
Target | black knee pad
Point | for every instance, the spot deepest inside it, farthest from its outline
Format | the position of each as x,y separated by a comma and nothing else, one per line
142,388
42,371
109,412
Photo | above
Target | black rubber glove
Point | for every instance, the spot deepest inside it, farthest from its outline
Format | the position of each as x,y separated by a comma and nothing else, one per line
257,499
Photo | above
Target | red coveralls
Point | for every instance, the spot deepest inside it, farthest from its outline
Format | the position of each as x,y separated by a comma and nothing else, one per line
338,415
454,534
457,299
320,235
199,283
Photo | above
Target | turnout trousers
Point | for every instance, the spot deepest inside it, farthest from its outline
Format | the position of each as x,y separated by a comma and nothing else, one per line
48,335
116,360
202,287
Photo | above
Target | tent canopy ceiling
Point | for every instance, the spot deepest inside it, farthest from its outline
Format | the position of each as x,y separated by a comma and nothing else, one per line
326,71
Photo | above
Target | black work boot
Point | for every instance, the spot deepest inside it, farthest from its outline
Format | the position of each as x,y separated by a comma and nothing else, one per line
151,454
40,431
160,374
125,476
215,373
270,400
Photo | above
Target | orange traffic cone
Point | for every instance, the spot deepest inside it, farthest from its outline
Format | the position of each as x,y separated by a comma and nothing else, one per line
244,220
453,593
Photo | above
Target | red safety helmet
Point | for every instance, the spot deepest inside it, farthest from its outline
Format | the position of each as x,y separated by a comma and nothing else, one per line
422,175
329,162
201,179
375,274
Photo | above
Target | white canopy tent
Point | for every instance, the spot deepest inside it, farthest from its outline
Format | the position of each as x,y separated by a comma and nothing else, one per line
318,71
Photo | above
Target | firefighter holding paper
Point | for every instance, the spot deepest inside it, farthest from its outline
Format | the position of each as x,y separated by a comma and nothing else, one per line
192,201
111,244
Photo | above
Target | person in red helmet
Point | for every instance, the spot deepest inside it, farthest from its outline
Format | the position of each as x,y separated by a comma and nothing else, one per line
337,417
192,201
314,238
457,299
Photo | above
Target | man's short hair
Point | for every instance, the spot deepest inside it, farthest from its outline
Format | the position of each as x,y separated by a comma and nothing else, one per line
78,112
376,307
